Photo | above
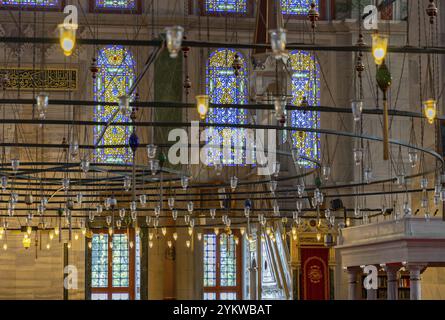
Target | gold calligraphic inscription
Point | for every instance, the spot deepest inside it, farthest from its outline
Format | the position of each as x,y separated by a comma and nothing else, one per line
48,79
315,274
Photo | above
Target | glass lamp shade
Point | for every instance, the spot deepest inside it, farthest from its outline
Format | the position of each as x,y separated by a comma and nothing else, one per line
143,199
280,107
212,213
423,183
357,108
202,105
278,42
65,184
174,214
300,190
174,37
4,182
171,202
367,175
133,206
272,186
42,104
151,151
326,172
74,148
430,110
233,182
15,163
154,166
379,47
85,165
127,183
124,105
184,182
413,158
122,213
190,206
67,37
358,156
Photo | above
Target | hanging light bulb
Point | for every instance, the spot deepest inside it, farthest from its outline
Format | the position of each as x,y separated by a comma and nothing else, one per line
76,236
4,182
413,157
133,215
190,231
430,110
79,198
169,244
42,104
99,209
199,236
148,220
74,148
300,190
216,231
357,108
358,156
15,163
190,206
151,151
157,210
233,182
108,220
242,230
379,47
67,37
184,182
318,236
171,202
175,236
202,105
367,175
110,231
278,42
154,166
326,172
56,231
85,165
212,213
424,202
143,199
133,206
122,213
423,183
174,214
127,183
150,244
276,166
187,243
186,219
174,37
124,105
26,241
5,246
83,230
273,186
65,184
164,231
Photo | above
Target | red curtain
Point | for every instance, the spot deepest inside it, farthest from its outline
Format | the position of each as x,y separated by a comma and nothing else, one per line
315,267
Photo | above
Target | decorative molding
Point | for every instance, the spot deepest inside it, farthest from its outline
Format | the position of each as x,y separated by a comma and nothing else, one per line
27,78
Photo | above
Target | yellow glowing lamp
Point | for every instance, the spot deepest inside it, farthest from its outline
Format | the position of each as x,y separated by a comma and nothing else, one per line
187,243
26,241
379,47
175,236
216,231
56,231
169,244
150,244
199,236
164,231
430,109
202,105
5,246
28,230
190,231
67,37
242,231
318,236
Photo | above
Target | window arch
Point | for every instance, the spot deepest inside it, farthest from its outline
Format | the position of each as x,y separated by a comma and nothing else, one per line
116,74
224,86
305,84
297,7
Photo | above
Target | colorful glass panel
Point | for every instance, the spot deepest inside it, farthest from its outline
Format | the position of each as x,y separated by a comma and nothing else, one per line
116,4
225,87
298,7
116,75
305,84
228,261
229,6
209,260
121,264
32,3
99,261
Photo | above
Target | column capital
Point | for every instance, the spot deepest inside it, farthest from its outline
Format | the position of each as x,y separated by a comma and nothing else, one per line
412,266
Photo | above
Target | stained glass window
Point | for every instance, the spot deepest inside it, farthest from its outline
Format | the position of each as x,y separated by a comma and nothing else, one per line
112,259
32,3
221,267
225,87
229,6
116,74
99,261
116,4
305,84
297,7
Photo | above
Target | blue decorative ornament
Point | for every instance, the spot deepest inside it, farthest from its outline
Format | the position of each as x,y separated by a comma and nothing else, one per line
133,141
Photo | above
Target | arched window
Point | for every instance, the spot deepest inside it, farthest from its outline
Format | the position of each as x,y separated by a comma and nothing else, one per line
225,6
305,84
116,74
224,86
297,7
32,4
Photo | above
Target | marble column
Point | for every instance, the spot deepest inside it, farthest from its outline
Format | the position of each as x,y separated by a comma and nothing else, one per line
353,278
392,284
414,280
